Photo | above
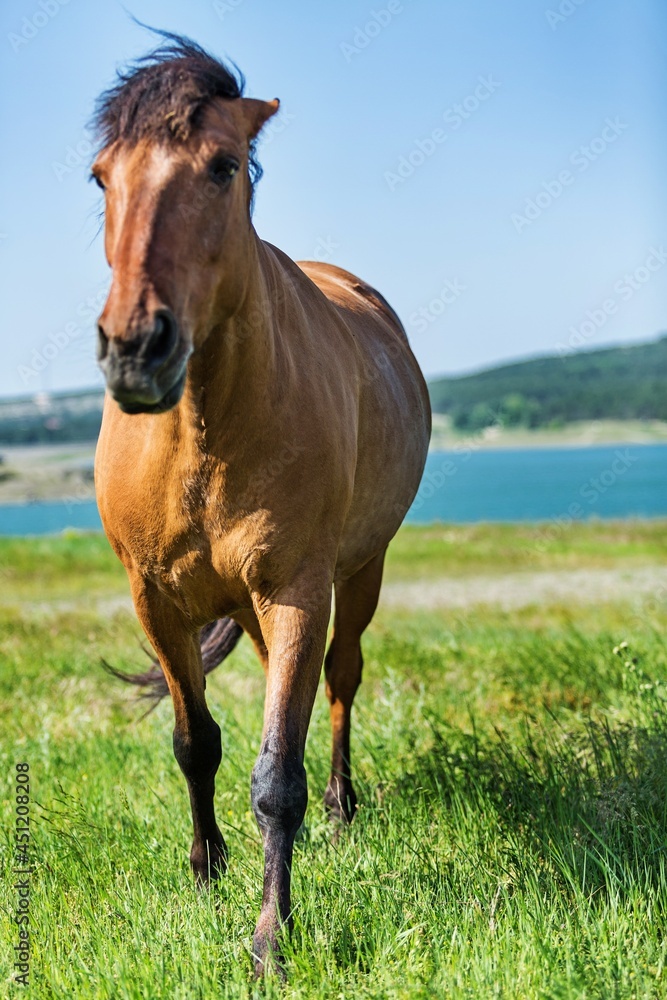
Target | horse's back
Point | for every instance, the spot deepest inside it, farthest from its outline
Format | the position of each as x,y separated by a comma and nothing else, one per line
374,325
350,293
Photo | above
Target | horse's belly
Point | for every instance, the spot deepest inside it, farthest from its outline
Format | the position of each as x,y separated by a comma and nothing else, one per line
393,445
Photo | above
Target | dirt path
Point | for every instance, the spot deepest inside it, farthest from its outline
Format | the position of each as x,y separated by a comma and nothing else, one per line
518,590
514,590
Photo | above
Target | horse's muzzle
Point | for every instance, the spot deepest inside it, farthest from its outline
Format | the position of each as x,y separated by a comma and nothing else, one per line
145,372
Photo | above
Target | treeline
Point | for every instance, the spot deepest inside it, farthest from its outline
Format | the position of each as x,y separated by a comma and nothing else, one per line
618,383
79,428
57,419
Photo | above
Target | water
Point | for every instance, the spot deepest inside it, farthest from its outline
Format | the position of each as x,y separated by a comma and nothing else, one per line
48,518
543,484
466,486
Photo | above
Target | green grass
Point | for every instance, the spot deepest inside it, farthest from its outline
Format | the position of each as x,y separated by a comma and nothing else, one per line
456,550
511,770
76,563
66,566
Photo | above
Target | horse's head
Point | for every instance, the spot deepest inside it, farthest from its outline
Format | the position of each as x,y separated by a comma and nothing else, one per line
177,166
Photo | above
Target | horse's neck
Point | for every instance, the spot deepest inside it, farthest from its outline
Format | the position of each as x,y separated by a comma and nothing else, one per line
231,375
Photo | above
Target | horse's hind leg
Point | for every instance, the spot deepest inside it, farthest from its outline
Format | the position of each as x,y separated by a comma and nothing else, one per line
356,601
248,621
197,745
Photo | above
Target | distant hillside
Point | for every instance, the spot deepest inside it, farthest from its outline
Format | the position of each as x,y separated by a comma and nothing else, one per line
45,419
620,383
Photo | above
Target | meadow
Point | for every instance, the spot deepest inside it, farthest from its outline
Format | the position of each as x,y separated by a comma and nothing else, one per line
511,768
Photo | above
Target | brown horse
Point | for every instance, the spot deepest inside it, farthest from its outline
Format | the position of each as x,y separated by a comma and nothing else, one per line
264,433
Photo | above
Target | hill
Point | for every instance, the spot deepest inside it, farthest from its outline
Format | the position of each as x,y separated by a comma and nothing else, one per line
614,384
617,383
51,419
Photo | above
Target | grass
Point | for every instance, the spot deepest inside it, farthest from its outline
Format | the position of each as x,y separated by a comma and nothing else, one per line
77,563
511,769
65,567
457,550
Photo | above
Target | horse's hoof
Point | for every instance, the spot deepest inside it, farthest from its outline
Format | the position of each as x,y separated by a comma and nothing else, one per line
266,953
340,805
209,862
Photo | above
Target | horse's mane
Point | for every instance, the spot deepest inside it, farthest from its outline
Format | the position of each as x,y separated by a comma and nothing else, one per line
161,95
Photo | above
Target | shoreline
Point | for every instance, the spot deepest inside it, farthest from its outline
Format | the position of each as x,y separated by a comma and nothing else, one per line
64,472
583,434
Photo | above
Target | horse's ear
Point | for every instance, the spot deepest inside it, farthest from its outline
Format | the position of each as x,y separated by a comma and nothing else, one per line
257,113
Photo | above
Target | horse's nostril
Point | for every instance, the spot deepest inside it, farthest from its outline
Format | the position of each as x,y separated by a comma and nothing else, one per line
164,336
142,352
102,343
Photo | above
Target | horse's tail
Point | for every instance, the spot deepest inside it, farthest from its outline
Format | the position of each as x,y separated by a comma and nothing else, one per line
217,641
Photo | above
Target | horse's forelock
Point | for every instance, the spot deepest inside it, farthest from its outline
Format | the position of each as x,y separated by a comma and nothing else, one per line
161,95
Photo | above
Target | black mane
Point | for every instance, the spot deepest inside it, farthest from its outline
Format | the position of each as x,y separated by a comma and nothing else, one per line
162,94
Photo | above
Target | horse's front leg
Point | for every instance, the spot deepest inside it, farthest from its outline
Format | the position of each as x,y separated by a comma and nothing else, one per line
294,627
197,745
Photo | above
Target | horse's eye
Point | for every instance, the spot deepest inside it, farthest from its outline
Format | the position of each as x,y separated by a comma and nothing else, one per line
222,169
99,183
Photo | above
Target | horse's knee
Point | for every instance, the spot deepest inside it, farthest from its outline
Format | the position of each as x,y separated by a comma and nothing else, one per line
279,792
198,750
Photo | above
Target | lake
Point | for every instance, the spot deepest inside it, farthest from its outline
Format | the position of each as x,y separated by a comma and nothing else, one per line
467,485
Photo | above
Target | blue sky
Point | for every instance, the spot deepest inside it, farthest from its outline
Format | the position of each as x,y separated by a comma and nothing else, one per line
491,167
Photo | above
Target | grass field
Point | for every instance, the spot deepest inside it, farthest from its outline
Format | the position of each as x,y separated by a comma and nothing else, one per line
511,770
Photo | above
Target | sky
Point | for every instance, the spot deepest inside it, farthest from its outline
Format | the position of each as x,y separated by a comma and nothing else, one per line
492,168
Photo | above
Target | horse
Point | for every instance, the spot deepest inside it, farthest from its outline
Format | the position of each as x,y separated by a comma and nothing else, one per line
264,433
